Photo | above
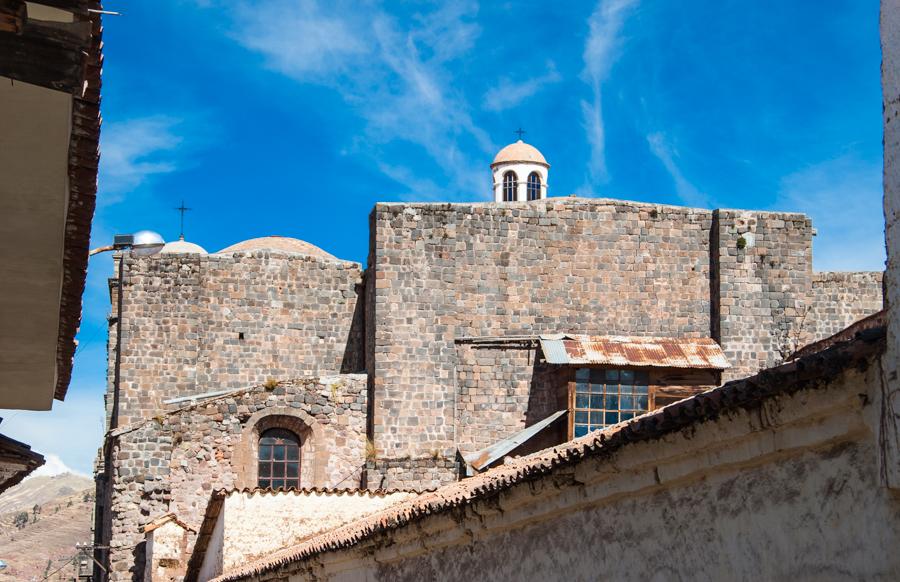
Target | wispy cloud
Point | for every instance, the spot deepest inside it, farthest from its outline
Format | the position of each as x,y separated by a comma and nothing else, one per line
843,197
509,93
396,74
134,150
600,54
661,147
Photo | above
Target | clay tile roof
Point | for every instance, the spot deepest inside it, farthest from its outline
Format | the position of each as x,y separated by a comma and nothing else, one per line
278,243
520,152
664,352
805,373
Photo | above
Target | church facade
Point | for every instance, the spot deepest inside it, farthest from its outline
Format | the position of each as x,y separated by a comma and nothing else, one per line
476,331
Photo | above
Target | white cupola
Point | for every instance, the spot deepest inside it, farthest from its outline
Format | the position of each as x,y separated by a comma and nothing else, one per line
520,173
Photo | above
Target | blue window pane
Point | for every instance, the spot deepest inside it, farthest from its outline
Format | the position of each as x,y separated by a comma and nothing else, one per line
265,452
581,417
612,417
580,430
640,389
598,388
596,401
612,376
627,415
641,402
582,401
277,483
597,417
627,402
582,374
582,387
626,377
597,377
265,470
597,427
612,401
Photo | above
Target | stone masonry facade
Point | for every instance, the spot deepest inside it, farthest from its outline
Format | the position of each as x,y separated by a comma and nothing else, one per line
441,272
172,462
389,375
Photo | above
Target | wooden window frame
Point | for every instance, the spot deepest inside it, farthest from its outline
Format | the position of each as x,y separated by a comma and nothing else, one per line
605,394
266,458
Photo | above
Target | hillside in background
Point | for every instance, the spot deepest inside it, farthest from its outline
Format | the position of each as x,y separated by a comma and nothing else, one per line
34,543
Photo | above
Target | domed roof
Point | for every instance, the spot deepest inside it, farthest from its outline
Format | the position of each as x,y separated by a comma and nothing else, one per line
520,152
278,243
182,247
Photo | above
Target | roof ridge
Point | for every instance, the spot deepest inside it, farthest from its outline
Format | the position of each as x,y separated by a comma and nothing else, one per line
783,379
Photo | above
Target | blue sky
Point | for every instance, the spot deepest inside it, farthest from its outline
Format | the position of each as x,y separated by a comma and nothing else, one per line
294,117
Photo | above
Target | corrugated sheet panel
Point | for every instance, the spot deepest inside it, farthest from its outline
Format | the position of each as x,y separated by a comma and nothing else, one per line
660,352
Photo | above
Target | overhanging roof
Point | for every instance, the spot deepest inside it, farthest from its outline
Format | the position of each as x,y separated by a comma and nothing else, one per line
50,62
17,461
659,352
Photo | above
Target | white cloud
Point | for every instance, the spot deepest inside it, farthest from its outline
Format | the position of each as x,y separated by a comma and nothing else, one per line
53,466
684,189
508,93
131,151
396,75
72,431
843,196
600,54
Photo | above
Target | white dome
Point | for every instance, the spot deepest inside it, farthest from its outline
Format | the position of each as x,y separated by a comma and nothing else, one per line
520,152
182,247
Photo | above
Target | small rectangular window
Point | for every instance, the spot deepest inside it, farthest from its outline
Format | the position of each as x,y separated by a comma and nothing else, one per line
606,397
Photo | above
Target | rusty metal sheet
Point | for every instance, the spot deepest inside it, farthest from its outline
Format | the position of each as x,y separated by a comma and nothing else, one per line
661,352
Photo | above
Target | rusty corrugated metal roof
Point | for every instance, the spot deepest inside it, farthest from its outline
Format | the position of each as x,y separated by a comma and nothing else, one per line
613,350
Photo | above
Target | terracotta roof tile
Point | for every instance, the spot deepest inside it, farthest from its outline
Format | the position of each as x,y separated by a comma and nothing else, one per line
803,373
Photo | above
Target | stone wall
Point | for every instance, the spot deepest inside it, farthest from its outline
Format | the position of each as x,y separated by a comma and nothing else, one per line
194,324
503,388
439,273
171,463
761,283
445,271
839,299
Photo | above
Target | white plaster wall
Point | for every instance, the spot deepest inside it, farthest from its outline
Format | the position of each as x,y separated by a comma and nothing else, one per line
257,524
890,81
212,560
522,170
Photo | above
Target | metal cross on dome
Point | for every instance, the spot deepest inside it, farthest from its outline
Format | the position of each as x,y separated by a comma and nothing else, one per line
520,132
182,209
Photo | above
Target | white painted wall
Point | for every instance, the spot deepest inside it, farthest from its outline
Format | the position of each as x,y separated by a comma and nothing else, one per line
522,170
254,524
890,82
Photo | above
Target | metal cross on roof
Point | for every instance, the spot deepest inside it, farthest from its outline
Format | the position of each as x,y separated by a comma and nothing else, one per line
182,209
520,132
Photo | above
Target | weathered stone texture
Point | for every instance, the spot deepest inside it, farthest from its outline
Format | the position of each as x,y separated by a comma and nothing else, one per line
839,299
503,388
441,272
762,271
173,461
445,271
194,324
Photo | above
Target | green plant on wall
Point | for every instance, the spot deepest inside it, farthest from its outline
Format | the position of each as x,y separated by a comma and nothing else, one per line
741,243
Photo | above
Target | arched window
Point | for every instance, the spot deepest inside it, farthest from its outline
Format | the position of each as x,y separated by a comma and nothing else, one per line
279,459
510,185
534,186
